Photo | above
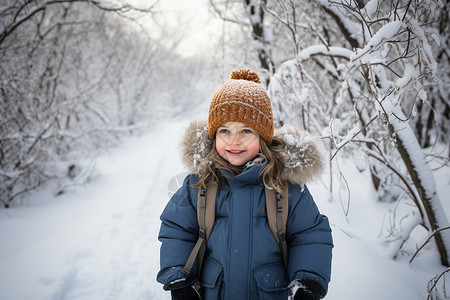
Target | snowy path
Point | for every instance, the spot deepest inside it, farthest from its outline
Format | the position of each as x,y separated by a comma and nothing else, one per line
101,241
97,243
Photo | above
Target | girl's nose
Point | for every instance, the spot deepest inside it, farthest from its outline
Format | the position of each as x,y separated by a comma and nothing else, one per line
235,139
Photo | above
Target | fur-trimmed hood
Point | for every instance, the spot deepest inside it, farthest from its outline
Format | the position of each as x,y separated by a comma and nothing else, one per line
303,161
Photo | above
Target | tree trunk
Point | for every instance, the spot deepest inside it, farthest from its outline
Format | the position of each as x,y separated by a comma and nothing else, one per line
255,9
423,179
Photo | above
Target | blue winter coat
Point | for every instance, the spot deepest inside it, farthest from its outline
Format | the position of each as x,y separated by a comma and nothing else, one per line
243,260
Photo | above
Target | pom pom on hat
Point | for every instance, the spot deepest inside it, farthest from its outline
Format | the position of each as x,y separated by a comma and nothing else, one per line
245,74
242,99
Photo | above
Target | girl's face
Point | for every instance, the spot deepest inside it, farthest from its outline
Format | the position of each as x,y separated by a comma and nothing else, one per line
237,143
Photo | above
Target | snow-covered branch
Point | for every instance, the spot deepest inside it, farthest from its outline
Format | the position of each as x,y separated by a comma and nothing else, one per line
16,14
332,51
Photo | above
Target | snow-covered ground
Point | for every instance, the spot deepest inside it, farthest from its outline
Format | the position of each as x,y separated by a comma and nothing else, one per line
100,241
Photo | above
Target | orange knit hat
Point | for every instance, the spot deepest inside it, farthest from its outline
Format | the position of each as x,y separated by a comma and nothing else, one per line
242,99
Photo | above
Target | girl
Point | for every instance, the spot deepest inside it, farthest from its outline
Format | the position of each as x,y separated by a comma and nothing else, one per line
239,151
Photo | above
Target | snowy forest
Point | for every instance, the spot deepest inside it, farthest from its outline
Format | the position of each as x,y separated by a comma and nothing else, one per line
82,79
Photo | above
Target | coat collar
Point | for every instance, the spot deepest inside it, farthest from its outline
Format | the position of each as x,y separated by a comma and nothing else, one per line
303,160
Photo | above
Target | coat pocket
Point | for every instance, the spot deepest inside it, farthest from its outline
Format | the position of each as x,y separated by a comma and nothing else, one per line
211,277
272,281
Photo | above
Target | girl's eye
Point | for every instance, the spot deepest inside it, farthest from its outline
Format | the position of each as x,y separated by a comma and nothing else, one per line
223,131
246,131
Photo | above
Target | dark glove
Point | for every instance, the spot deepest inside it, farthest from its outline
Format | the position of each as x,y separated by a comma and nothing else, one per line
305,290
185,289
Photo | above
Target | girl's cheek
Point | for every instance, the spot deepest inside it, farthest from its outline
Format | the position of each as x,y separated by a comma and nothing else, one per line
253,150
220,147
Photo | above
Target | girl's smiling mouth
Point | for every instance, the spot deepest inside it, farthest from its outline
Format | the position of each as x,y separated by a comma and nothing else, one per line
235,152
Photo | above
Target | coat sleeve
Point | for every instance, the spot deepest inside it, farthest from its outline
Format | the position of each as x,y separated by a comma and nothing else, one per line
309,239
178,233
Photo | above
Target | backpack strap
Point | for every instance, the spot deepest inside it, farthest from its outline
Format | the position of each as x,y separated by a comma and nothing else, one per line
206,215
277,212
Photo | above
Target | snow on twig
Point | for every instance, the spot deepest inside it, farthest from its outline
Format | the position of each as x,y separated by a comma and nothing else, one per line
324,50
427,241
350,136
387,32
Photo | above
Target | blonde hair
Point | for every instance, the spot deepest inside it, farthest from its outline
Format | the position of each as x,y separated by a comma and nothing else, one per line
271,173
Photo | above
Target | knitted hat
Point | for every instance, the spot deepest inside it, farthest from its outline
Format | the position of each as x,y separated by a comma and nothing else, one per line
242,99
